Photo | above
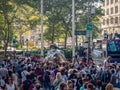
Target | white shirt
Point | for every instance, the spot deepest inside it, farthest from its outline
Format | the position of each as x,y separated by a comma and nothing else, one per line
64,77
2,82
10,87
118,75
106,63
24,74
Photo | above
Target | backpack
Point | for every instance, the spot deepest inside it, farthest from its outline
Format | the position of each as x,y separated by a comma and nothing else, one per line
113,79
27,84
46,76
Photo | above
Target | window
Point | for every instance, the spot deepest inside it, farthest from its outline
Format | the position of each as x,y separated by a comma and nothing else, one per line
116,0
107,12
103,21
107,2
103,12
104,3
107,21
111,20
112,10
116,9
116,20
111,1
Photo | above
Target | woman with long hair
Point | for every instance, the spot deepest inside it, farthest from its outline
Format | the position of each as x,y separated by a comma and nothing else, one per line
63,86
10,85
58,80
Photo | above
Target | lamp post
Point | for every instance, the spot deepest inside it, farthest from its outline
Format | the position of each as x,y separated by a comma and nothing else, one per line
73,28
42,39
91,10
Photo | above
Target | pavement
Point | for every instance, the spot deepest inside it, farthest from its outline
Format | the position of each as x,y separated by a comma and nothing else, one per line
117,88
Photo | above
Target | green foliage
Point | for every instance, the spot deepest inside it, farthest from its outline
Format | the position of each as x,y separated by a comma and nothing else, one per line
58,13
68,53
1,46
57,18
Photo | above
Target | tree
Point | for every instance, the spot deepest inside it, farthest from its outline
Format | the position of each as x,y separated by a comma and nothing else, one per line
7,13
59,11
26,19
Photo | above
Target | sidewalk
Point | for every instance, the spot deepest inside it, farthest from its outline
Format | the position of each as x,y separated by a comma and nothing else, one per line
117,88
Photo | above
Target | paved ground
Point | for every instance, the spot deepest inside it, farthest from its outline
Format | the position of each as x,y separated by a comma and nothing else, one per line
117,88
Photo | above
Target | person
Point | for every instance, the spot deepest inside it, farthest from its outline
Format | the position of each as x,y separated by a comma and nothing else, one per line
37,86
70,85
2,83
84,86
27,84
90,86
24,73
113,77
1,88
47,83
109,86
57,81
118,77
3,71
106,62
10,85
63,86
39,71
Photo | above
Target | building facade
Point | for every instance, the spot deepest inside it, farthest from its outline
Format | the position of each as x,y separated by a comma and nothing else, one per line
111,17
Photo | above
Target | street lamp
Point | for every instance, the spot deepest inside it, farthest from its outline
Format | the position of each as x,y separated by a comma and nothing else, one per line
73,28
91,10
42,39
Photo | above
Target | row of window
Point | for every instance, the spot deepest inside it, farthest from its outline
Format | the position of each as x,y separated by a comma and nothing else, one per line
110,2
112,10
112,20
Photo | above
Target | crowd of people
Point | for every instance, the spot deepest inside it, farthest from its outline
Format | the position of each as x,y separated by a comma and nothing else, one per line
30,74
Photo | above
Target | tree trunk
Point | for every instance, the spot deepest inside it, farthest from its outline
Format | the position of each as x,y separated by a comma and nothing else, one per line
6,40
21,44
66,34
53,33
5,49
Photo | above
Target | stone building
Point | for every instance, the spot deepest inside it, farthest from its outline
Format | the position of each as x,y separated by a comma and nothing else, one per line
111,17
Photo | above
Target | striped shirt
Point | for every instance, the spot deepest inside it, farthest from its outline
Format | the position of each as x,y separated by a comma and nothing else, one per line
3,72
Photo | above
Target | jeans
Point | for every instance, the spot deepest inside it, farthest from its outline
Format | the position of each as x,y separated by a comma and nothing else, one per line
118,85
47,85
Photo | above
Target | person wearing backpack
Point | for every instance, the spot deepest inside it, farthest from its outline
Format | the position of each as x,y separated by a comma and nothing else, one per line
27,84
113,78
47,81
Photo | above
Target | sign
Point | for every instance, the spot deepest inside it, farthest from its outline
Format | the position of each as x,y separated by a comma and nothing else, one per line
80,32
89,27
112,46
89,33
31,43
